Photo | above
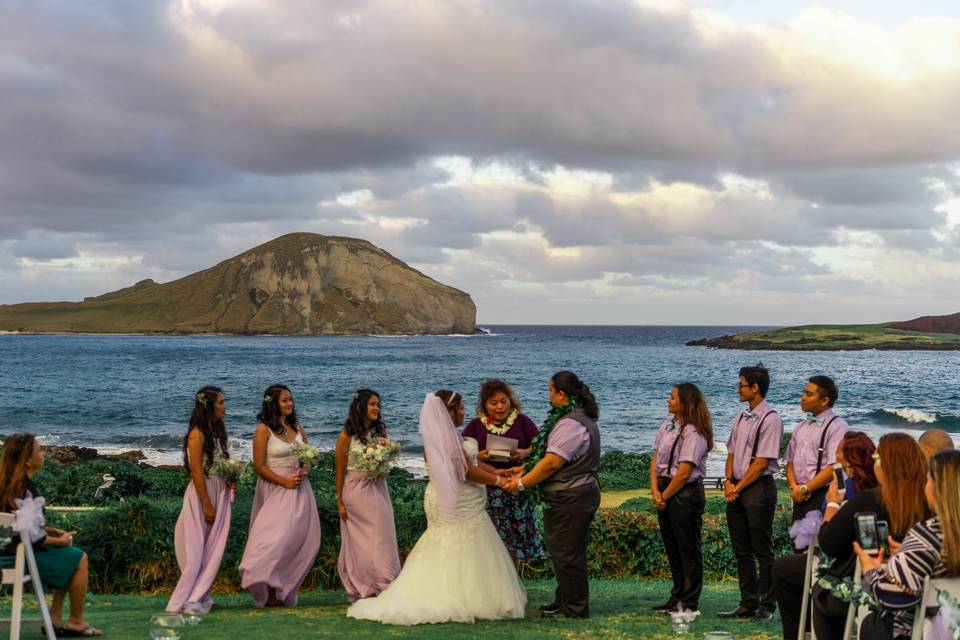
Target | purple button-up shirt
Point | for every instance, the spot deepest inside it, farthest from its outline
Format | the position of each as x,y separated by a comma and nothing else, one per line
804,445
692,448
568,439
744,433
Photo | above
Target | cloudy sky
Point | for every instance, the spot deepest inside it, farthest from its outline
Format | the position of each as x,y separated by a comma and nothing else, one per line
607,162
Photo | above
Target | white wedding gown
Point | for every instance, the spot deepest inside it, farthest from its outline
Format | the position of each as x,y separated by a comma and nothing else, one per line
459,570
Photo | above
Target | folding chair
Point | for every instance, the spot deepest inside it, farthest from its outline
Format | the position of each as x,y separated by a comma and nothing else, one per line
806,611
24,570
931,591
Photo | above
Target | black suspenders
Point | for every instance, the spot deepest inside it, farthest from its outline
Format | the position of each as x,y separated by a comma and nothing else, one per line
673,449
756,441
823,440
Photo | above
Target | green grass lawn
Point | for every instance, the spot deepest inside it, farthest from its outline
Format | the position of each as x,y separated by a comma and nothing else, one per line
620,608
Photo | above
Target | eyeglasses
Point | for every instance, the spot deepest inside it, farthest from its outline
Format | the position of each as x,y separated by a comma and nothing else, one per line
876,458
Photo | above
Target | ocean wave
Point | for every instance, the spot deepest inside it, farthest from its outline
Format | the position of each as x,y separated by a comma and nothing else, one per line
914,418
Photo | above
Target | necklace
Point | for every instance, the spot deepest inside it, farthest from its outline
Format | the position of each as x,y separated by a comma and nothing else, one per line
502,429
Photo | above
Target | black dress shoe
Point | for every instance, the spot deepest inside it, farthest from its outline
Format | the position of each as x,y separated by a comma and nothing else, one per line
739,612
666,606
551,608
763,614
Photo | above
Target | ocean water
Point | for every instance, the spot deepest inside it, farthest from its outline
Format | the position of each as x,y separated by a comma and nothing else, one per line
135,392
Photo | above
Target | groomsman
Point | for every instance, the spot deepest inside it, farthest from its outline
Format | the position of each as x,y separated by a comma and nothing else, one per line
753,450
813,446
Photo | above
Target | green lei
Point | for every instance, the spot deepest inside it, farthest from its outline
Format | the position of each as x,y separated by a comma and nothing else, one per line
538,448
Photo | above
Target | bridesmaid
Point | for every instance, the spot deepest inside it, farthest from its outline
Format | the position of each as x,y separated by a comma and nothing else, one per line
369,560
514,516
284,536
204,522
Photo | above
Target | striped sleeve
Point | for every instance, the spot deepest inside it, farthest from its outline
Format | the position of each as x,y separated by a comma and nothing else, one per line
899,584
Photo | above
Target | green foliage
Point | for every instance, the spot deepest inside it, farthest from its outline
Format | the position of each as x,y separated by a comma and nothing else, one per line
130,537
620,470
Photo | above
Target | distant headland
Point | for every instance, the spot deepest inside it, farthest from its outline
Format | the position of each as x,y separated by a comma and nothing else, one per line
297,284
928,333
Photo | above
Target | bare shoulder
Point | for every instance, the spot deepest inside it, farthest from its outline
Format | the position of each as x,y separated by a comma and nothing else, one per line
195,436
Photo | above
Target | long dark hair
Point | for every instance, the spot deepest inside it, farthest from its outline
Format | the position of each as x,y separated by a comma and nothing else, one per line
17,451
357,425
693,410
270,410
858,450
904,478
574,387
204,417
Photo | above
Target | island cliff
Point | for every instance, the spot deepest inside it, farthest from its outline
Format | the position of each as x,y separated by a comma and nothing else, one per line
297,284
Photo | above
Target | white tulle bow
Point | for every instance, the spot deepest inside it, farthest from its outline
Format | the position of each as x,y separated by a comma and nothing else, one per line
29,519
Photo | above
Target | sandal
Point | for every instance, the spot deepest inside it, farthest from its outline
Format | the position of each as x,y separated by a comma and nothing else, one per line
88,631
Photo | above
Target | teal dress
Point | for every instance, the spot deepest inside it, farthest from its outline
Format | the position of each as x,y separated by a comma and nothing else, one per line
55,564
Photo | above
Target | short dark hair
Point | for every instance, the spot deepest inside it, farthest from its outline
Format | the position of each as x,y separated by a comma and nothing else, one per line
757,375
827,387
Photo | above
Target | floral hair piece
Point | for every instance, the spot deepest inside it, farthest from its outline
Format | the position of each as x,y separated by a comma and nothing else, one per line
201,399
267,399
355,395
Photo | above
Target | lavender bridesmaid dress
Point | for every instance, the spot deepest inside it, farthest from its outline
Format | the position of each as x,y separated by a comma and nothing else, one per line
284,536
199,547
369,560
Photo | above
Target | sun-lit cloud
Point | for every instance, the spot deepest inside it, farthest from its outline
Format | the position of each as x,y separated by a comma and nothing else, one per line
664,161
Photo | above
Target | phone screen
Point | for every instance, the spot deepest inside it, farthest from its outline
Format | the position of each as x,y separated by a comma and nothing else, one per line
867,532
883,532
838,473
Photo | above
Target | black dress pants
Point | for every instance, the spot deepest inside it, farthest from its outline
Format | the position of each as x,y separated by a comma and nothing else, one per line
829,614
876,627
788,587
567,515
681,526
750,521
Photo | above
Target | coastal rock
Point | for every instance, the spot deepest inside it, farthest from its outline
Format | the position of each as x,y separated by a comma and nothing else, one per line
64,455
931,324
297,284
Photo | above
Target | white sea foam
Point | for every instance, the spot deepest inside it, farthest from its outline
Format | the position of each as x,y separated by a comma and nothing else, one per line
913,416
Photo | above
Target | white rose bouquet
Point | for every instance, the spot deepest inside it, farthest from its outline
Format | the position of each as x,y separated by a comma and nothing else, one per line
232,471
306,453
376,457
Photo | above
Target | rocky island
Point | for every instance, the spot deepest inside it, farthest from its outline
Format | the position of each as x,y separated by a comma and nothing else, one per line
297,284
928,333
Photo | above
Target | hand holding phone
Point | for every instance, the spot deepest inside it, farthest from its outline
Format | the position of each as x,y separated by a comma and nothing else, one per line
867,533
838,475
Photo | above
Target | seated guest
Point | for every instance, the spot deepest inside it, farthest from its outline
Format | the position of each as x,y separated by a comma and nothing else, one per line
901,472
931,549
934,441
855,455
901,461
62,566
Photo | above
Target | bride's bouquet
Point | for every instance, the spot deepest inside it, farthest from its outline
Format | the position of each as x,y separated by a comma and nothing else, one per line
306,453
232,471
375,458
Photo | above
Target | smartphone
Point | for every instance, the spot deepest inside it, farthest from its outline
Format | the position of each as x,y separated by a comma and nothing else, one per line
883,532
838,474
867,534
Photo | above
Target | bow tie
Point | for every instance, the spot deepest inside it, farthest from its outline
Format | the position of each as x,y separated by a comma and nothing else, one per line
814,419
749,415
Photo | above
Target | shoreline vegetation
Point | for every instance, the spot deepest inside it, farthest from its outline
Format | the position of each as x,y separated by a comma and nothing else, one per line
839,337
128,530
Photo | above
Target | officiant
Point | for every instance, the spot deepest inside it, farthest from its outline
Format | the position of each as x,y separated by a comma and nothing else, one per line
563,464
504,435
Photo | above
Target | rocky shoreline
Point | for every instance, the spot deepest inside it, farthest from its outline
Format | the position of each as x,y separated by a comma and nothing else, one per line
64,455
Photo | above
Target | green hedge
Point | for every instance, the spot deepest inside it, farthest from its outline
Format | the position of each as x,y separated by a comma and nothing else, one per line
130,538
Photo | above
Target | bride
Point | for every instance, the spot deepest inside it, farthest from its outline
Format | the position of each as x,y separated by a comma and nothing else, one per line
459,570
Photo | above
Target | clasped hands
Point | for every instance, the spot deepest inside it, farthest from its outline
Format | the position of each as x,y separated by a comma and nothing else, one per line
730,492
512,476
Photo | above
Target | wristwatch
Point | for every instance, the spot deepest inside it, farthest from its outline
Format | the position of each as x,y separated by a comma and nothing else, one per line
520,483
804,490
